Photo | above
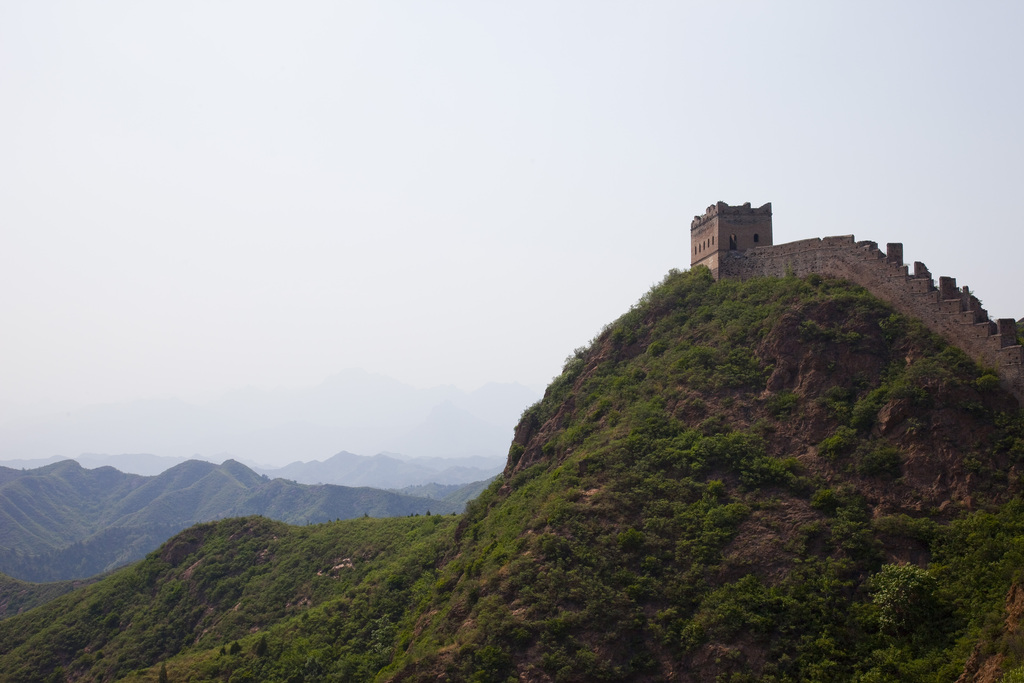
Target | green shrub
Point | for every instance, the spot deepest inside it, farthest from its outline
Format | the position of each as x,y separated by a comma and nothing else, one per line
987,382
865,411
811,331
893,327
905,597
880,460
921,529
826,500
1014,676
839,401
764,470
657,348
783,403
515,451
838,444
631,540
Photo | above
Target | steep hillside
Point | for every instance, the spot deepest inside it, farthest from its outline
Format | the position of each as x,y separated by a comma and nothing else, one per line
62,521
216,584
726,483
776,480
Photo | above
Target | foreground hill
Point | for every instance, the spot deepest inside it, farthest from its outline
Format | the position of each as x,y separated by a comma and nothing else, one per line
777,480
64,522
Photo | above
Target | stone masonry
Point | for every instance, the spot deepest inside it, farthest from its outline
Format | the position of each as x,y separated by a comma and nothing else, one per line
947,309
725,228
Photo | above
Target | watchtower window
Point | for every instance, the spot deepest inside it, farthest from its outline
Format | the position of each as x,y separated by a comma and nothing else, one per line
756,239
732,242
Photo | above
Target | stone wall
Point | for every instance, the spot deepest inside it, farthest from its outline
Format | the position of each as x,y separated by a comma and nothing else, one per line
947,310
723,228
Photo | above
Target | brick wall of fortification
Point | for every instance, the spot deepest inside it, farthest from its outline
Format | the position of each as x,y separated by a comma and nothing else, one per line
947,310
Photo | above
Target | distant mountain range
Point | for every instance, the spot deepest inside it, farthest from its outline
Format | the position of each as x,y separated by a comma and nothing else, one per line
63,521
146,464
388,471
353,410
384,471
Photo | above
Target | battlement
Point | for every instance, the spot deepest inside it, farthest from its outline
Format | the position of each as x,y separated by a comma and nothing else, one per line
951,311
722,209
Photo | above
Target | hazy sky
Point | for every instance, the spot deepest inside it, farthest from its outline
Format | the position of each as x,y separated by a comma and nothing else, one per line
196,196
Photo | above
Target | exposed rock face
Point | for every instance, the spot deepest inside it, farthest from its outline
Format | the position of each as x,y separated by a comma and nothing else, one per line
985,666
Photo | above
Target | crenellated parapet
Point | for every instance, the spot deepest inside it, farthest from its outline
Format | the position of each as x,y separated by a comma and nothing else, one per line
743,211
951,311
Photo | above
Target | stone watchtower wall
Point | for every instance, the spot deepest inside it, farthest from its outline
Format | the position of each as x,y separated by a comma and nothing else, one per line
947,310
725,228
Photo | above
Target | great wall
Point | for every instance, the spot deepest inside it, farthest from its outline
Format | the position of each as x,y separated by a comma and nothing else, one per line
947,310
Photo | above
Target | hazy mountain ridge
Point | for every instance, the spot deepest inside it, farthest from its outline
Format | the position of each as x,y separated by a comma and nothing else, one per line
453,493
354,410
773,480
146,464
63,521
387,471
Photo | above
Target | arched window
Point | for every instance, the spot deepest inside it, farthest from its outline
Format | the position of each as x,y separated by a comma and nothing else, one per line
756,239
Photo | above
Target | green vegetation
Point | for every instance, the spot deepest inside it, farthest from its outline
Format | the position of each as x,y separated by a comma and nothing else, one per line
65,522
775,480
18,596
210,586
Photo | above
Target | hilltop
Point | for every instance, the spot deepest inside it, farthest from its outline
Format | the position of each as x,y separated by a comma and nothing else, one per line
780,479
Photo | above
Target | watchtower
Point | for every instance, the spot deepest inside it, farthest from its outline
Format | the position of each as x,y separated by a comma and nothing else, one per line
725,228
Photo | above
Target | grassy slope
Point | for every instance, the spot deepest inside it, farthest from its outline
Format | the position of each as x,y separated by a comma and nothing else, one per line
777,480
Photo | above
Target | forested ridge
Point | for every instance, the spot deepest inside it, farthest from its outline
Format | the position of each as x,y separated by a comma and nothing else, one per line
63,521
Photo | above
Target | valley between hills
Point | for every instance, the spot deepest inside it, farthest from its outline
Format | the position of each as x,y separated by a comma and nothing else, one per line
781,479
63,522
